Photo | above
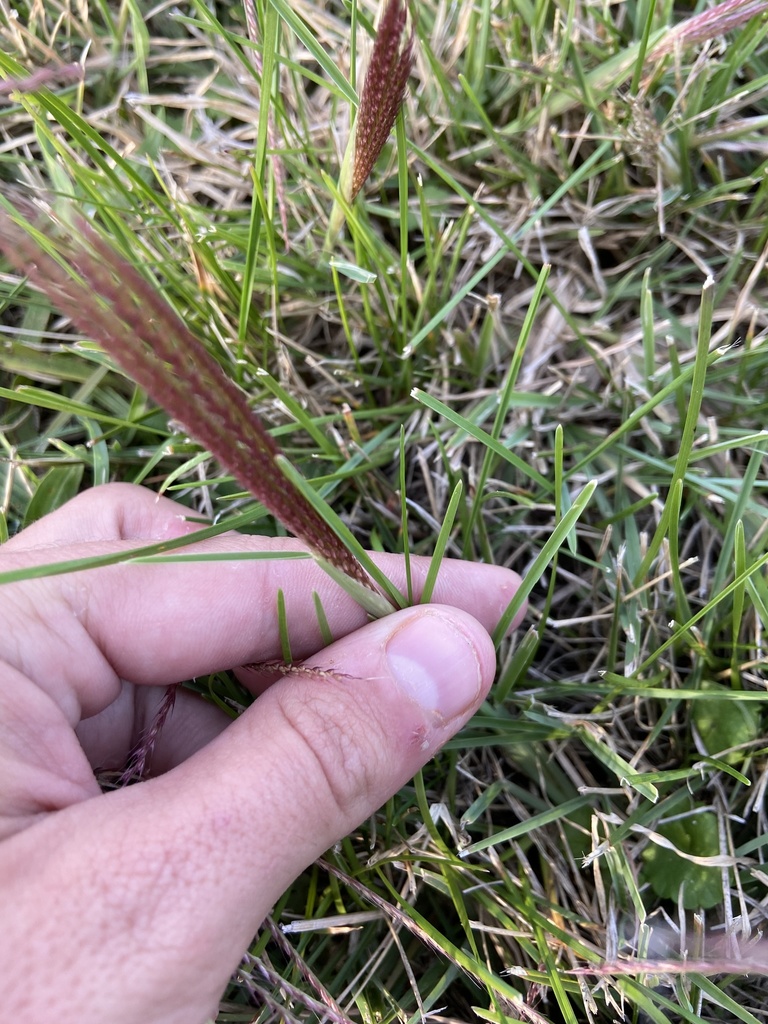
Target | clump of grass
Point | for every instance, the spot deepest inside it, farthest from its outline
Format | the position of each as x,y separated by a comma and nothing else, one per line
555,281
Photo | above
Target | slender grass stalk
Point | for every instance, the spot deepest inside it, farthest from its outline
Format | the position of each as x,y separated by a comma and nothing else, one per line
441,543
692,416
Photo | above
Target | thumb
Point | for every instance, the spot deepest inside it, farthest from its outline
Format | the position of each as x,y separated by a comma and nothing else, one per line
375,708
171,879
322,750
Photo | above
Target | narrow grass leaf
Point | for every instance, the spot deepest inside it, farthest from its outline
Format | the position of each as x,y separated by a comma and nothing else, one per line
518,666
737,611
441,543
554,976
524,828
562,497
649,11
507,391
542,560
624,772
309,38
249,270
218,556
402,196
282,625
640,413
675,502
299,413
404,519
352,271
479,806
649,331
737,510
35,572
100,468
56,488
480,435
692,417
30,395
322,619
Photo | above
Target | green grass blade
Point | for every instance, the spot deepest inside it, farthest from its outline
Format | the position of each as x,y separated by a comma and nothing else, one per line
441,543
692,418
542,560
345,535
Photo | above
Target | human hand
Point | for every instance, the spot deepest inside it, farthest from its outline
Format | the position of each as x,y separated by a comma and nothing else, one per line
136,905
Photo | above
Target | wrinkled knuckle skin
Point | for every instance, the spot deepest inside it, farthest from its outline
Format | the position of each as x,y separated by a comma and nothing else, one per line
339,741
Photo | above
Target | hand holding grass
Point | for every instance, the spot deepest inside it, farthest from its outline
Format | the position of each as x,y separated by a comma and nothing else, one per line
136,905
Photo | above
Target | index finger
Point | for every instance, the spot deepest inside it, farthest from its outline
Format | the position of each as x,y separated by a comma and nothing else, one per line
158,624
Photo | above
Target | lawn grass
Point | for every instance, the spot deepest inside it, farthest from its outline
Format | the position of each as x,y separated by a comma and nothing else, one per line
539,341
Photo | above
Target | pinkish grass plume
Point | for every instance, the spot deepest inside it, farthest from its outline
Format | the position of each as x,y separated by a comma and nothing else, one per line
381,99
709,24
48,75
383,89
110,301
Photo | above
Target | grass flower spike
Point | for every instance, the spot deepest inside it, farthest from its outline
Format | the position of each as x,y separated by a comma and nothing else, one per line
383,91
110,301
709,24
381,99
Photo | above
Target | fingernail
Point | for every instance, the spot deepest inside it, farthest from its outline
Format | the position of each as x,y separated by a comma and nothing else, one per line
435,665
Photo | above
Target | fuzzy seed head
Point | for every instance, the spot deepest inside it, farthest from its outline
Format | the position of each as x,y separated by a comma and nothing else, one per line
383,89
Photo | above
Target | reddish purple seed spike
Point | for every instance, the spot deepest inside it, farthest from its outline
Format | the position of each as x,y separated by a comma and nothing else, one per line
708,24
383,89
110,301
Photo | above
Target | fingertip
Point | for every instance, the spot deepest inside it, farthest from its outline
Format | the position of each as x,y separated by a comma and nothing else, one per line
483,590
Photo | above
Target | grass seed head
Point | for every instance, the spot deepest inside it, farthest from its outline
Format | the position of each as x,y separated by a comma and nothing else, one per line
383,89
109,300
710,24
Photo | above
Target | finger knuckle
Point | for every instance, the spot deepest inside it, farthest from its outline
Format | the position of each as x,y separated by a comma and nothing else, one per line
336,737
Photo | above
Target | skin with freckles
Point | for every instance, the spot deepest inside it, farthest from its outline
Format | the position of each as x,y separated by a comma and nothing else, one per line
136,905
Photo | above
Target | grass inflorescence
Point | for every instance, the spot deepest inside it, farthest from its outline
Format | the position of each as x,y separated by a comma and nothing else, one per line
539,340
